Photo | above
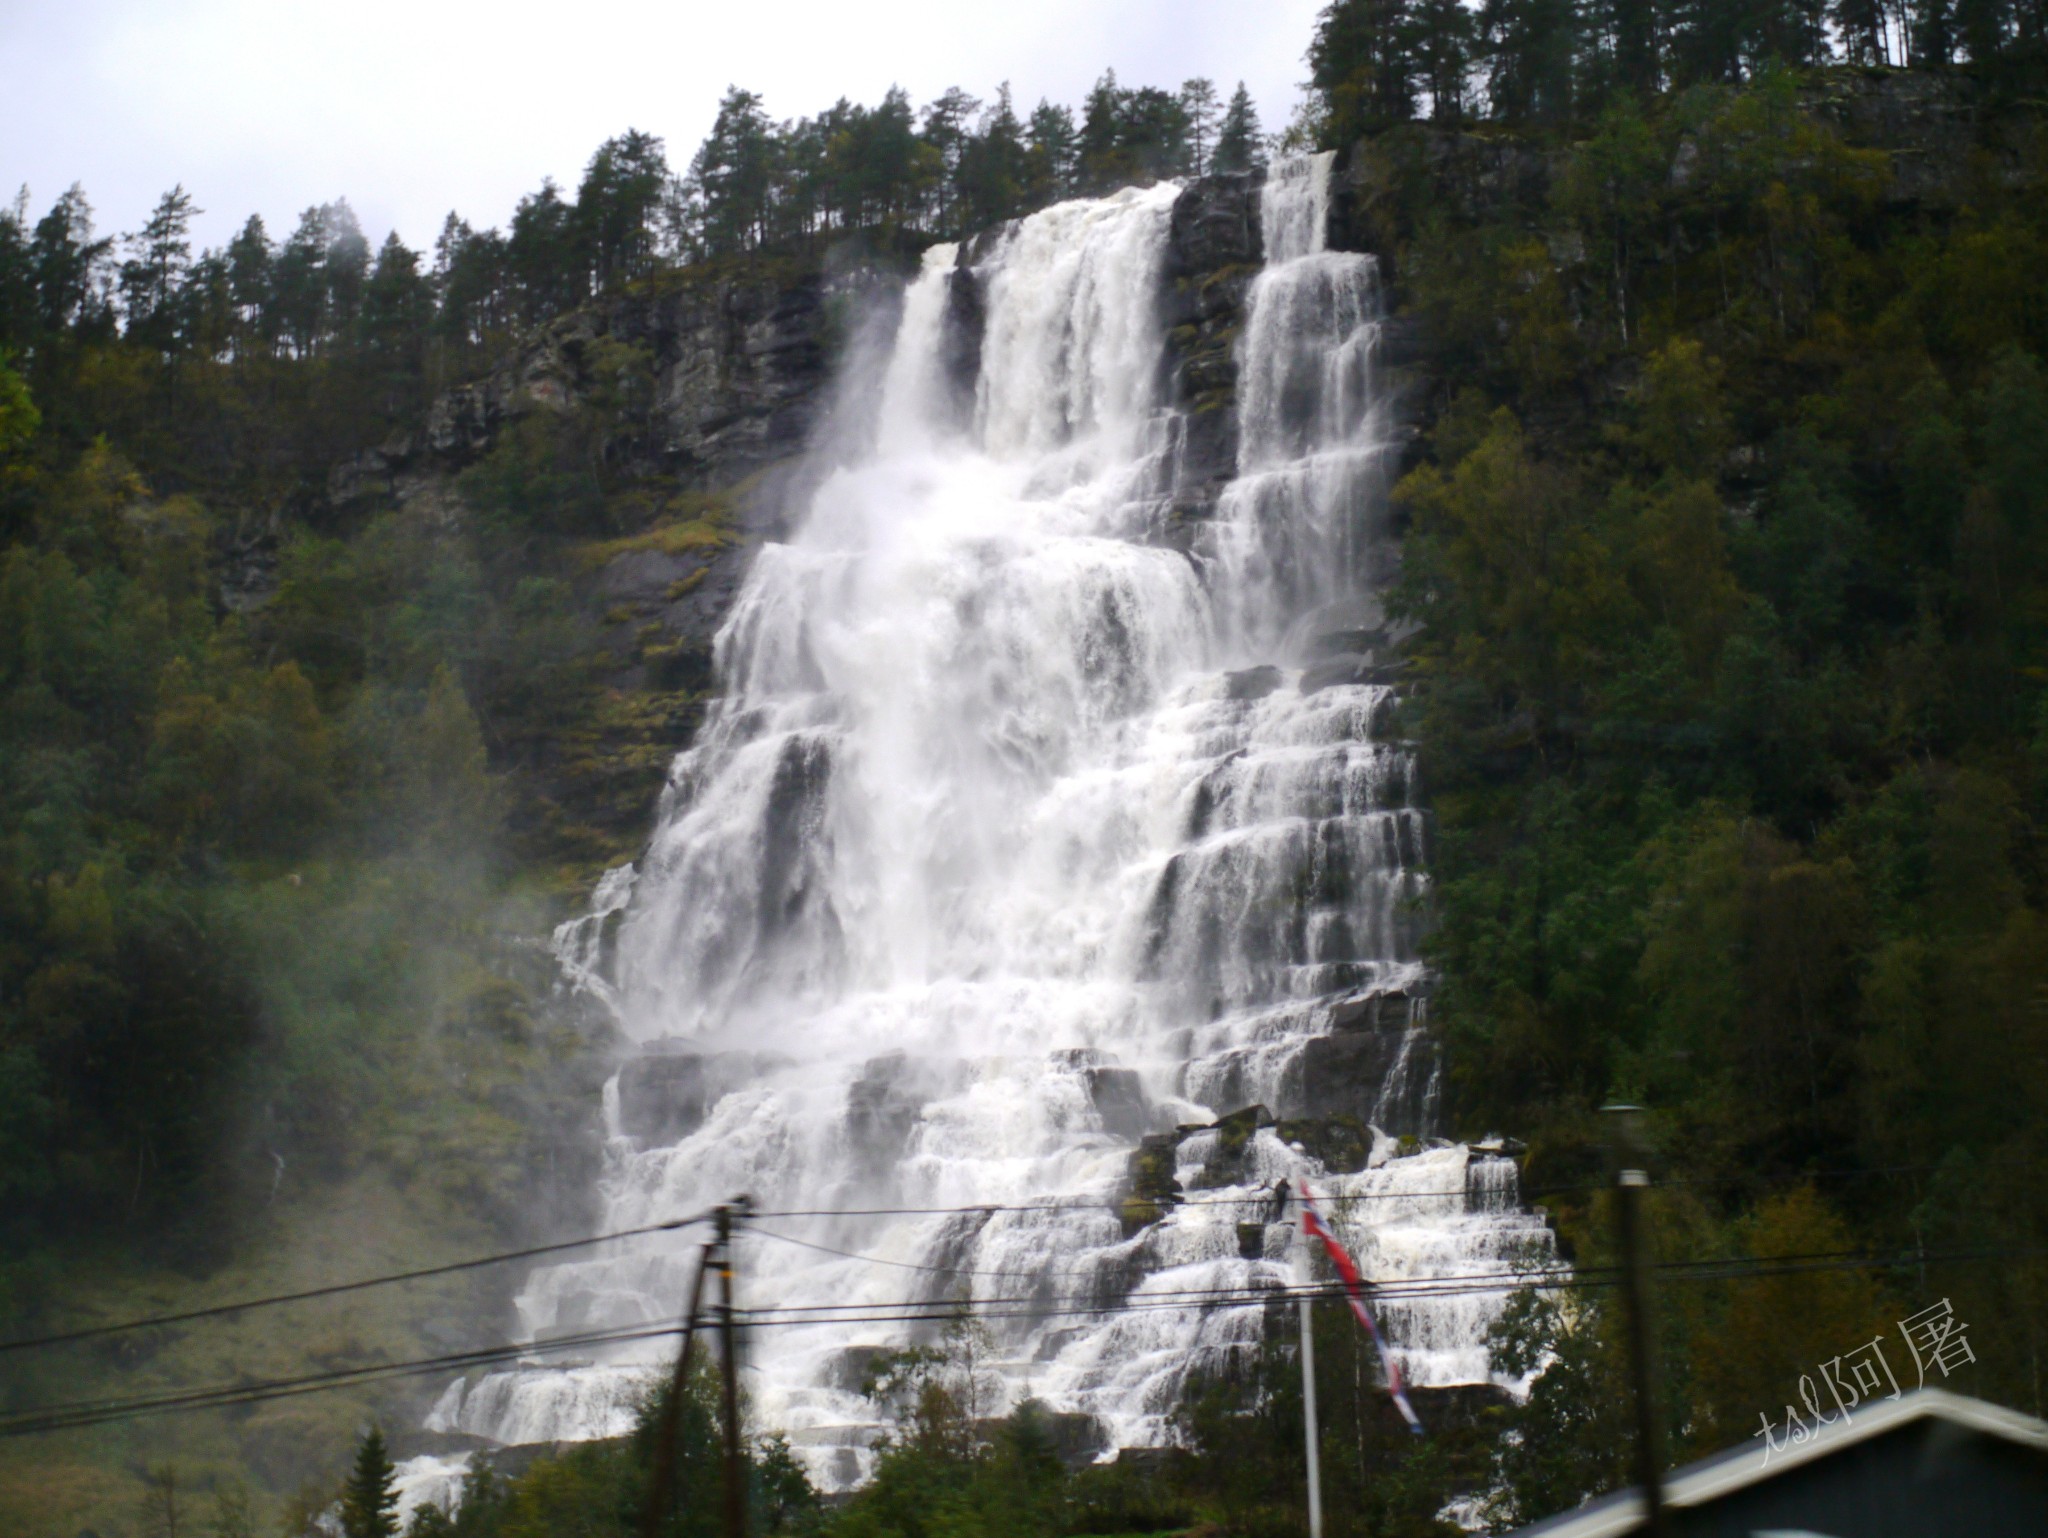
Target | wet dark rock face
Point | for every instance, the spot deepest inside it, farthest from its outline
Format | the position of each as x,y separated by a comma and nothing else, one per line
1215,224
738,360
1373,1066
742,360
965,319
666,1091
1213,252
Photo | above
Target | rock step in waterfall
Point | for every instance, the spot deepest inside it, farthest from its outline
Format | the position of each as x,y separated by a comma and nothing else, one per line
1033,851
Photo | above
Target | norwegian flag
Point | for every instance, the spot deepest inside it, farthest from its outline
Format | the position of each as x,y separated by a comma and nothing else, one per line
1314,1227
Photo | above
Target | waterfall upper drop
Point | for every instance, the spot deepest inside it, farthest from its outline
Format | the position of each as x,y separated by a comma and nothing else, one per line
1021,838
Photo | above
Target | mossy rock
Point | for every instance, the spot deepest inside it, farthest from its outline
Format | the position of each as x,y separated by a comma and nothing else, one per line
1138,1212
1227,1163
1341,1143
1153,1163
1235,1131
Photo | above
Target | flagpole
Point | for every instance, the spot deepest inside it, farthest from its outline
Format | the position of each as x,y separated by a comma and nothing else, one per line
1308,1391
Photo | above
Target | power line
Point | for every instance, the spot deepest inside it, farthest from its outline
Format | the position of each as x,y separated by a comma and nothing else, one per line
80,1414
217,1310
1532,1193
94,1412
220,1310
1108,1204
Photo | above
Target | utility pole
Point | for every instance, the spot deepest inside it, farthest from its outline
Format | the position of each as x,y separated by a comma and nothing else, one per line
735,1473
1630,1181
1310,1430
662,1489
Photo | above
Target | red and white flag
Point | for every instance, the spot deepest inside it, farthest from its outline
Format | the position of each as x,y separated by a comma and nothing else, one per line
1314,1227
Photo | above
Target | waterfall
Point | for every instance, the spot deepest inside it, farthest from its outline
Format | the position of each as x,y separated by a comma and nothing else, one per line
1016,838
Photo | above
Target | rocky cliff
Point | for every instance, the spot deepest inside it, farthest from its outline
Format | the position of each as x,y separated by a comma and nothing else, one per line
733,367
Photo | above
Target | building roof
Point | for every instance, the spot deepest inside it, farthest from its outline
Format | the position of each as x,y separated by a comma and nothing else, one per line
1739,1468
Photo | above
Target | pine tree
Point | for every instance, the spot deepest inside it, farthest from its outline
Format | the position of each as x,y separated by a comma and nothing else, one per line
1531,47
398,303
1707,40
540,253
1362,65
1442,53
993,169
17,277
804,203
1985,28
1861,26
1199,103
67,263
471,281
1633,34
1098,161
617,206
891,160
154,274
1932,35
250,260
162,1512
1051,142
369,1500
733,175
1790,31
945,134
299,284
347,266
233,1513
1152,135
1240,147
207,317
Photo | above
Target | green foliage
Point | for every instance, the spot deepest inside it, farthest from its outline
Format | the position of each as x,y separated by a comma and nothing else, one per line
369,1499
603,1489
268,851
535,479
1571,1437
1243,1430
1729,687
1552,62
19,418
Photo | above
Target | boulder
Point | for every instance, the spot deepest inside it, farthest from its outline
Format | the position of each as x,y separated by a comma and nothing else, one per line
882,1110
1154,1187
1342,1143
1119,1098
1368,668
1352,1075
1392,1007
1214,224
663,1099
666,1092
1252,683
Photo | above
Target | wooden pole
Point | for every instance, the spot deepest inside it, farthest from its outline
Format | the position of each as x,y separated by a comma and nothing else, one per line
662,1488
1630,1182
735,1471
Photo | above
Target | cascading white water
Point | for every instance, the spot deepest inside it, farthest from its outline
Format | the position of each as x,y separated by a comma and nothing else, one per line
1015,837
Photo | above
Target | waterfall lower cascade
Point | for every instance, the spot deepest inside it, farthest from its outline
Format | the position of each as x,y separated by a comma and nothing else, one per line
1026,839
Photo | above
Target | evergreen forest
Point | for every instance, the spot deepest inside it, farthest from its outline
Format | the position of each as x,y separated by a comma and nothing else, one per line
1726,541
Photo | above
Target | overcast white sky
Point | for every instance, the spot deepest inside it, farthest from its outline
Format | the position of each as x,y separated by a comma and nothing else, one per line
412,107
